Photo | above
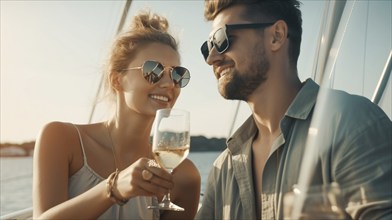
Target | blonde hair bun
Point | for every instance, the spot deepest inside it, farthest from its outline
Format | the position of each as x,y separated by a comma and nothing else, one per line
147,20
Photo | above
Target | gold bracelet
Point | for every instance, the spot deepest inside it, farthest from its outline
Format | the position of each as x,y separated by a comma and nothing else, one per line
109,189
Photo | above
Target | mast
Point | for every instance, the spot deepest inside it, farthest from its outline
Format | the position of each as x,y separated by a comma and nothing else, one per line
120,26
332,16
382,83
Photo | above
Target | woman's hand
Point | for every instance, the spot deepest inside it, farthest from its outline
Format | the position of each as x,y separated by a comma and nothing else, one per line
143,178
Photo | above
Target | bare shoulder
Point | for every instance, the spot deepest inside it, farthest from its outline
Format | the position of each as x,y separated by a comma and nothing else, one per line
56,126
188,172
55,138
56,132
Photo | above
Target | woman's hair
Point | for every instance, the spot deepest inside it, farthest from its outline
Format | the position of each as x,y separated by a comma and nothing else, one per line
267,10
145,28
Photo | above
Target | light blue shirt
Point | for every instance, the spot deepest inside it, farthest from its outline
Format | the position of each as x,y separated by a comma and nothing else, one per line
354,147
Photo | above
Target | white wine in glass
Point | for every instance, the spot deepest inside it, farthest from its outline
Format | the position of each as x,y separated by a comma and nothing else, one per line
170,145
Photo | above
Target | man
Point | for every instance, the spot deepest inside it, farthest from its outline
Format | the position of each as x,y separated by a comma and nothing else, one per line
253,49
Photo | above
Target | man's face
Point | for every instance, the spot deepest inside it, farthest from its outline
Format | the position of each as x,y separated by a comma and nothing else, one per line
244,65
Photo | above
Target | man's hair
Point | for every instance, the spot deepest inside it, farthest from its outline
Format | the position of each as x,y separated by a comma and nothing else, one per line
266,10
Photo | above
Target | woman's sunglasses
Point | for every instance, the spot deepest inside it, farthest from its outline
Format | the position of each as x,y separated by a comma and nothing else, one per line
153,72
221,42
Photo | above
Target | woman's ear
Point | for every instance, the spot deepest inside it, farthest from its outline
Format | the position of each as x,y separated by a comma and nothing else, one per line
115,81
279,35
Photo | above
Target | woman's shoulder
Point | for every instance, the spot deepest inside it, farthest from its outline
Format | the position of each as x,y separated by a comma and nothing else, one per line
189,165
57,136
188,171
64,130
55,130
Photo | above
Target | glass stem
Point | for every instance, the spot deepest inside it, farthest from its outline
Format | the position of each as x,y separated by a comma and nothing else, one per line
166,198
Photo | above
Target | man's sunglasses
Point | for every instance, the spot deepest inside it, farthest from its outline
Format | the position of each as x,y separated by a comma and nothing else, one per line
153,72
221,42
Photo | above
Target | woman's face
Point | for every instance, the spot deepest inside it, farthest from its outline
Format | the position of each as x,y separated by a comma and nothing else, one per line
141,96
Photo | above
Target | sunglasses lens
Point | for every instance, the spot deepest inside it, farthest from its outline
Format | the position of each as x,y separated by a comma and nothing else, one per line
220,40
152,71
205,50
181,76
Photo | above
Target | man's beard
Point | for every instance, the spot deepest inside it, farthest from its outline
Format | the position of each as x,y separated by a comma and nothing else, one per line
239,86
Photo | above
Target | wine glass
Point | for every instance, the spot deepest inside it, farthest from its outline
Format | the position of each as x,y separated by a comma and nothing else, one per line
316,202
170,145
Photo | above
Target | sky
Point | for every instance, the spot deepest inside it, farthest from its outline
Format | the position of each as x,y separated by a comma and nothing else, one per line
53,52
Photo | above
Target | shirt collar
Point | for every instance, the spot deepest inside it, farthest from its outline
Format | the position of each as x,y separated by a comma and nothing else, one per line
304,101
300,108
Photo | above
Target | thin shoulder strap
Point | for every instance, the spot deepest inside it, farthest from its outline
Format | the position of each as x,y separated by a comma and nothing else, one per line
81,144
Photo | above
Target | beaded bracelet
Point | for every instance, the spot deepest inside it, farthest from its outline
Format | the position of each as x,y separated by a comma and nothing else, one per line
109,188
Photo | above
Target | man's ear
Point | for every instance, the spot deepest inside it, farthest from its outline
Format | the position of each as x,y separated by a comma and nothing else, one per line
279,35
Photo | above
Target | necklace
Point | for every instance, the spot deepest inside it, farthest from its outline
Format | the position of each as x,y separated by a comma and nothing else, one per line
112,147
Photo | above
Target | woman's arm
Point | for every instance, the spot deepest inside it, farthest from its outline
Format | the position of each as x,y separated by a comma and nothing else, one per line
58,155
55,153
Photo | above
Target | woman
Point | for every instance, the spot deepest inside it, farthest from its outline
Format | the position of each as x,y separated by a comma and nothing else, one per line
104,170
